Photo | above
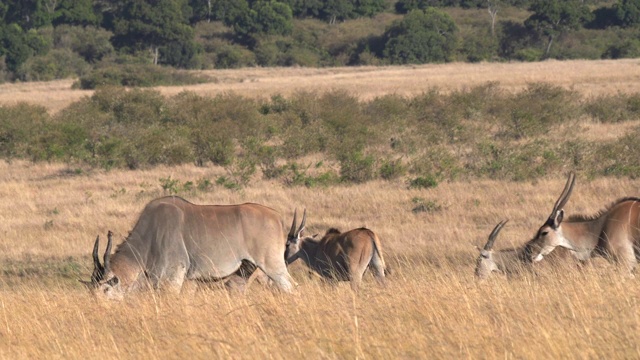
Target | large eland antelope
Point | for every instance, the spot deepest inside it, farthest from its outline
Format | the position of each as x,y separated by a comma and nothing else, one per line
175,240
613,232
338,256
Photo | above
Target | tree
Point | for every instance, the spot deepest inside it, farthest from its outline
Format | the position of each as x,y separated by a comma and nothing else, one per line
263,17
305,8
150,24
272,17
13,45
421,37
628,12
552,18
74,12
29,14
369,8
337,10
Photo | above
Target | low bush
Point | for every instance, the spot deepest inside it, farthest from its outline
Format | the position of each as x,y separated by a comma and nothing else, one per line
138,75
479,132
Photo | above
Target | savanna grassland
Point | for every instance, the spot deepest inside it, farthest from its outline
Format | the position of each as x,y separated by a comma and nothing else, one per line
431,307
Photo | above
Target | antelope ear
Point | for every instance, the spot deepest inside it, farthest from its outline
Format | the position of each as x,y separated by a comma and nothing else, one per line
558,218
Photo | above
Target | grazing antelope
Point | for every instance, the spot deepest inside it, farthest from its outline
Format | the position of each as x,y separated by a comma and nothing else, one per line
512,260
613,232
504,261
175,240
338,256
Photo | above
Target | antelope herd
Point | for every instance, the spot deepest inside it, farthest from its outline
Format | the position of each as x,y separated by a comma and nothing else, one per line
175,241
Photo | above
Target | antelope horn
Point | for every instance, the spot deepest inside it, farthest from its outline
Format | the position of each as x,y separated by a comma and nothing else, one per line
564,197
303,223
494,235
96,261
107,253
292,232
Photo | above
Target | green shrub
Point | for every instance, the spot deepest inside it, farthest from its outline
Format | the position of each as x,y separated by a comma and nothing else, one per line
539,107
619,157
392,169
21,126
423,182
357,167
294,174
56,64
614,108
137,75
420,37
92,43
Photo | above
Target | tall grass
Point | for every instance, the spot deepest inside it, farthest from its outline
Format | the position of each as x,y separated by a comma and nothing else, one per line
431,306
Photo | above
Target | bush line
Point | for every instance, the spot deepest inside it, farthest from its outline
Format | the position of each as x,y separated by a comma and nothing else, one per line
481,132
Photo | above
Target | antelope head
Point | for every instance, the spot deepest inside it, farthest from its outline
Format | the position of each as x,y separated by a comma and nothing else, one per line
103,280
550,235
486,263
294,238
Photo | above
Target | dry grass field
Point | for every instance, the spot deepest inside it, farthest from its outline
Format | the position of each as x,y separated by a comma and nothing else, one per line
587,76
431,307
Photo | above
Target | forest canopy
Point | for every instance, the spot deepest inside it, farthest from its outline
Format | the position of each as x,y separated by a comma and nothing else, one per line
94,40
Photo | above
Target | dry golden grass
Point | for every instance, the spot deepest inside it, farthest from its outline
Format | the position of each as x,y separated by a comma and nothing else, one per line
432,307
587,76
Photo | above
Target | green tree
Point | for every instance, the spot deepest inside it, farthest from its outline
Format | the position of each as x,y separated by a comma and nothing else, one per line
29,14
90,42
628,12
369,8
151,24
421,37
13,45
337,10
552,18
305,8
75,12
263,17
272,17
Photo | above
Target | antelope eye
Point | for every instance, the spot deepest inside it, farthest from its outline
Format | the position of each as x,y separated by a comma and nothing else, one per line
486,256
544,233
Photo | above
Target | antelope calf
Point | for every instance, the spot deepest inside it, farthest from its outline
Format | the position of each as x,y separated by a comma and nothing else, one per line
338,256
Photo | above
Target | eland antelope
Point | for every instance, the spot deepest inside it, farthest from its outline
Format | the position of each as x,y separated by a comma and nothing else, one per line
175,240
338,256
504,261
613,232
511,260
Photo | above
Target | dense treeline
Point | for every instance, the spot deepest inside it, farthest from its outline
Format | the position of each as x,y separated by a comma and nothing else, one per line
476,133
93,39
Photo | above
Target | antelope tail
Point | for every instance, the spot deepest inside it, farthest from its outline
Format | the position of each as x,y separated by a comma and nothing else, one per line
378,247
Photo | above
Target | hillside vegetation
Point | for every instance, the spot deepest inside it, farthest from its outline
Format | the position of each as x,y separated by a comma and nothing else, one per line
326,132
143,43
